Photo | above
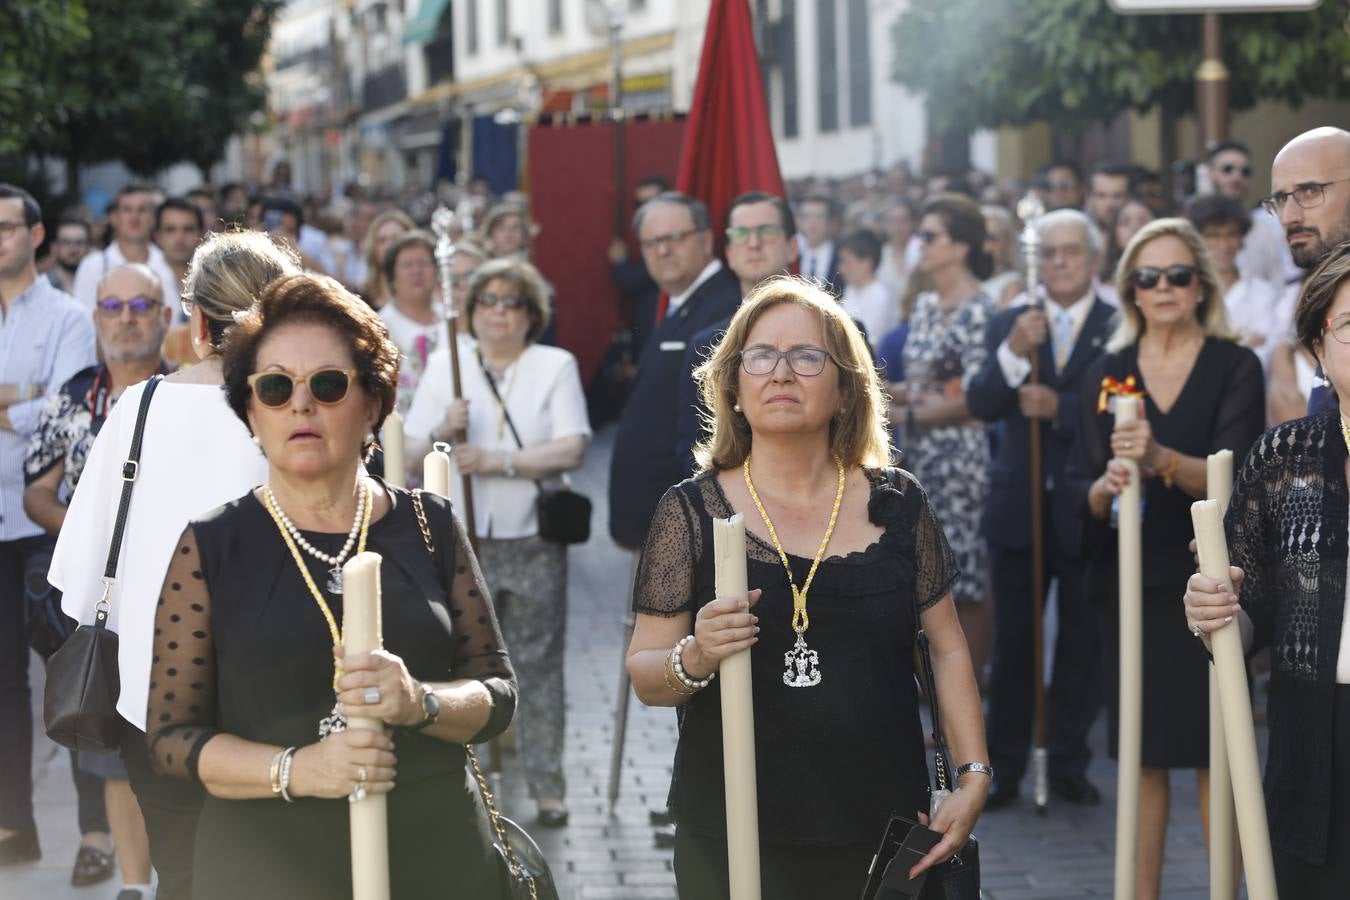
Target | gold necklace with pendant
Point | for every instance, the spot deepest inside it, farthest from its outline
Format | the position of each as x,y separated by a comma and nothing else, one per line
334,721
801,663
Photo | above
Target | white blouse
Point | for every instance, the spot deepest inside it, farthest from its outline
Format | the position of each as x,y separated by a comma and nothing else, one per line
195,456
541,389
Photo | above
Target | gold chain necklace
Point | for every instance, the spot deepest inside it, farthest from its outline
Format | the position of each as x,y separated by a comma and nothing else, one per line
1345,433
802,664
335,721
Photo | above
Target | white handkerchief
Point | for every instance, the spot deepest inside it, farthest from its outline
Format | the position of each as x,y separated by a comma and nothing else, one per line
672,345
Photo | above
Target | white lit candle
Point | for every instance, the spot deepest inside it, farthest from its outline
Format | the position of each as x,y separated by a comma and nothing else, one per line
391,439
362,633
1131,669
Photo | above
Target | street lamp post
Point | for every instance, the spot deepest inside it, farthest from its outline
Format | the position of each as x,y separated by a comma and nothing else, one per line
1211,83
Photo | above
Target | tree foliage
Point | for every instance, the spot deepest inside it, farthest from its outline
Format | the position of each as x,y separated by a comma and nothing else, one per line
148,84
989,63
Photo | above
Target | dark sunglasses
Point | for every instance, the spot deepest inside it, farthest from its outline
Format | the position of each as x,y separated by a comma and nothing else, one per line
139,306
1146,277
510,301
328,386
1231,168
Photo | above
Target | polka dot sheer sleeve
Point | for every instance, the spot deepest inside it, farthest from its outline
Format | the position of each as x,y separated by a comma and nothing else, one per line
181,714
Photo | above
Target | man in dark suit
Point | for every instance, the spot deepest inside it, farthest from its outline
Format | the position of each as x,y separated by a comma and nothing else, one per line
677,246
1067,332
760,244
818,217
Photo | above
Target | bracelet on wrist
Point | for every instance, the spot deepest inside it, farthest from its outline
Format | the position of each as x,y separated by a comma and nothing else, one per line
287,757
977,767
675,685
274,772
677,661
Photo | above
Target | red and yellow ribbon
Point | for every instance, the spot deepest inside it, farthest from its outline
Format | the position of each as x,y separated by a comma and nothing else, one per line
1127,388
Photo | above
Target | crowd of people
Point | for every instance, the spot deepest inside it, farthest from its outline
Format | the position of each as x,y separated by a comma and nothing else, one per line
287,332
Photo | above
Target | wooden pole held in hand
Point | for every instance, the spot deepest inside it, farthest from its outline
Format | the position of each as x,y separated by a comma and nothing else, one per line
738,723
363,633
1130,729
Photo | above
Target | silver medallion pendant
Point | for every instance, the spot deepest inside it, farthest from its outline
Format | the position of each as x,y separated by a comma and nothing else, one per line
332,723
334,584
802,665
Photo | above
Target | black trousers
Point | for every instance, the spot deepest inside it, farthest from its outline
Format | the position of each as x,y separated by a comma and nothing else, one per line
1075,694
170,807
1298,878
16,712
787,872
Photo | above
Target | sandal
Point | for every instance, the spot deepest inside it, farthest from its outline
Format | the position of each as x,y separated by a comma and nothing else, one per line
92,865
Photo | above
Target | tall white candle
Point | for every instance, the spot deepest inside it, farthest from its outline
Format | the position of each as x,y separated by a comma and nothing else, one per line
391,439
1235,702
362,633
1222,822
738,723
1131,671
436,472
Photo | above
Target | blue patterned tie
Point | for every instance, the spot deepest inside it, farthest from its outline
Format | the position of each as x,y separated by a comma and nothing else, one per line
1063,337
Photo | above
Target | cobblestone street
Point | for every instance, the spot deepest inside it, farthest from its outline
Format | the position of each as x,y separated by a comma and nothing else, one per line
604,856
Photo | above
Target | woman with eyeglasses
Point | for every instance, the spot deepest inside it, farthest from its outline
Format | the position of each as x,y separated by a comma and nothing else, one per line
1202,392
846,560
195,456
1287,529
524,421
251,688
944,445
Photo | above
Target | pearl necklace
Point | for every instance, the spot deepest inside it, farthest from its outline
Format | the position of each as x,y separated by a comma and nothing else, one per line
335,560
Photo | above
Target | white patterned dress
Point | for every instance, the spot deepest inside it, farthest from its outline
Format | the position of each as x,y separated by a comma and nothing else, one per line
944,350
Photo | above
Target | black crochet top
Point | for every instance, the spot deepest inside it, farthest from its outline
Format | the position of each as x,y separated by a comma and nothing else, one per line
834,760
1287,530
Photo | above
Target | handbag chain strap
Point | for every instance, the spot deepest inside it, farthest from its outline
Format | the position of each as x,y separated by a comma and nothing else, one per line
494,815
130,472
492,386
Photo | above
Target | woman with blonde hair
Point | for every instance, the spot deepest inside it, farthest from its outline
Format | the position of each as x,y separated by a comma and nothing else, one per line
1202,391
196,455
384,230
799,446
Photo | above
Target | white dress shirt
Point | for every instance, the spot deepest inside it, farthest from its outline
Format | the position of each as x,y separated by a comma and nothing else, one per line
1257,310
815,261
541,389
875,307
99,263
1016,368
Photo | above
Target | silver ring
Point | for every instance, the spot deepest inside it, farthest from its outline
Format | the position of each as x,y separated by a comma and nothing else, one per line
372,695
1195,630
1127,445
357,795
362,775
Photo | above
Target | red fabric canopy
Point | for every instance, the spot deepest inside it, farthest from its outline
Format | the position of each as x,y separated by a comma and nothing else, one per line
728,142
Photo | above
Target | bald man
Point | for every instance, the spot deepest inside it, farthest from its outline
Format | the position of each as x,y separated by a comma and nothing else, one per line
1310,194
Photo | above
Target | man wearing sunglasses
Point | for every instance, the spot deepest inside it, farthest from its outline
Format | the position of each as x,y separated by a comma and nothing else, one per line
131,320
1263,254
45,338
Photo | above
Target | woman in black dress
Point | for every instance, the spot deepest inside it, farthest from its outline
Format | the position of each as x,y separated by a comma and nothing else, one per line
1287,528
1202,393
799,432
249,686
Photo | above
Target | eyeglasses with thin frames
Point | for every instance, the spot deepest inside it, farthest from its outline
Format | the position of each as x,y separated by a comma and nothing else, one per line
7,229
762,359
668,240
1307,196
1339,327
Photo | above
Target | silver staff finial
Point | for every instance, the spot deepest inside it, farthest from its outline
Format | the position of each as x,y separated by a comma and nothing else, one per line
442,220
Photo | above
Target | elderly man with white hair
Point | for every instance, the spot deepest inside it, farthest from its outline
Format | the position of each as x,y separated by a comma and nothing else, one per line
1066,329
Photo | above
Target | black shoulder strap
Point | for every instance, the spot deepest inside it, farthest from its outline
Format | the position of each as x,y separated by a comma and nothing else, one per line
130,471
492,386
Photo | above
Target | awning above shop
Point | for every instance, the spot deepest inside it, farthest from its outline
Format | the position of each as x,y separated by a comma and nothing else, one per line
421,28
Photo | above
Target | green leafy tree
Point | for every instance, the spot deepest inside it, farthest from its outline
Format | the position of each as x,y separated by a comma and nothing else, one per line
990,63
36,37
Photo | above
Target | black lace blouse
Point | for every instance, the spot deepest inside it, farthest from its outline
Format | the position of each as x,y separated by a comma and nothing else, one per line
833,760
1287,529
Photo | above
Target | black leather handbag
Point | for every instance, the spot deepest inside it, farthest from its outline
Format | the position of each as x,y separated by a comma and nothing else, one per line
564,515
79,707
959,877
523,870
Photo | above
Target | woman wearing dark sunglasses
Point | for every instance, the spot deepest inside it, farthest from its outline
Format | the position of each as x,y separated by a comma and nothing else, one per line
250,687
1286,528
1202,392
195,456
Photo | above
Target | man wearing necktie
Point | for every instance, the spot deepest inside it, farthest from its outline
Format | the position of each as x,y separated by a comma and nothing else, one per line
818,220
1067,327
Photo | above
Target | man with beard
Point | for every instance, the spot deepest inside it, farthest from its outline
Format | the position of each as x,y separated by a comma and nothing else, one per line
74,237
1310,195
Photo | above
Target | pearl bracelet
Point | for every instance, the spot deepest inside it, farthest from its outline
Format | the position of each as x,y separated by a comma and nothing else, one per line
677,661
287,757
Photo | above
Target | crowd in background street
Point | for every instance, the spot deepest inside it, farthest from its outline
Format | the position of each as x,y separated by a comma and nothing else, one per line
1191,291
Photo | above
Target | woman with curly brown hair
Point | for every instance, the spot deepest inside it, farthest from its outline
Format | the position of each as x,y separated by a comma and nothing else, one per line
250,687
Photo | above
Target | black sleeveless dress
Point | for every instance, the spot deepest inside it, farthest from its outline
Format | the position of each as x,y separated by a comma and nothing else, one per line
241,648
836,759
